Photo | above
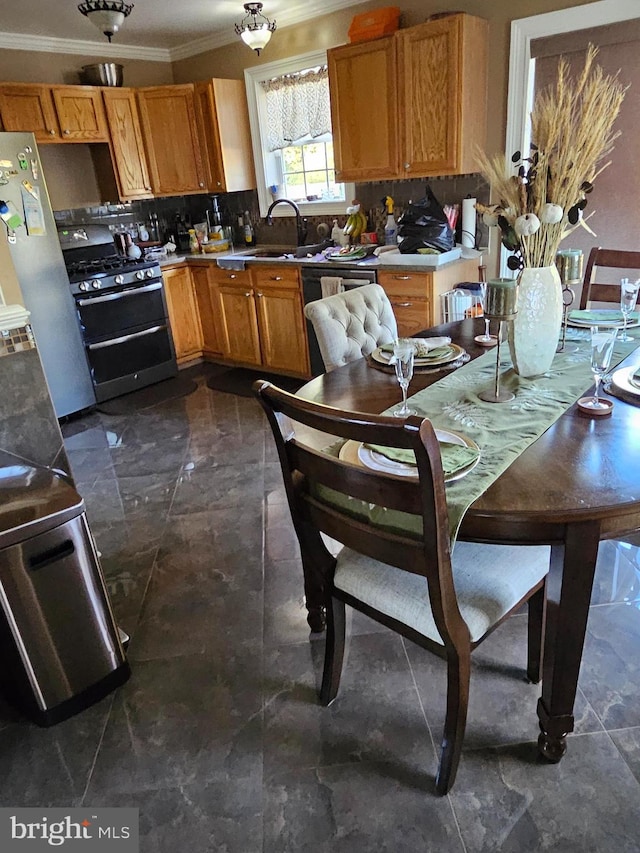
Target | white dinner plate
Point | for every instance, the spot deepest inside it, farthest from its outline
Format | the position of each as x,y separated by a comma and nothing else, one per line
623,379
356,453
578,323
455,352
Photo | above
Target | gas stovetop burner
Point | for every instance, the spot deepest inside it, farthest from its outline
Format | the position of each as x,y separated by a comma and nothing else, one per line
113,263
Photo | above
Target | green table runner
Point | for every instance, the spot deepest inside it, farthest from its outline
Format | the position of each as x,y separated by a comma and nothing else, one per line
502,430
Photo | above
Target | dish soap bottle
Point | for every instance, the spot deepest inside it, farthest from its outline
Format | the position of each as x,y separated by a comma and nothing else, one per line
336,233
390,227
249,236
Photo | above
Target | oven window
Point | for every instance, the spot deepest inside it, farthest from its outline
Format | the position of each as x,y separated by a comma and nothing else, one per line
102,317
136,351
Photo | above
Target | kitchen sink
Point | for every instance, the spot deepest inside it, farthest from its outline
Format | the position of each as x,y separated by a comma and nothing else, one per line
271,253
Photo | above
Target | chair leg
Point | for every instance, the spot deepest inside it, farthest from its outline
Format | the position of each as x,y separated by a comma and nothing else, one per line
537,606
458,674
334,651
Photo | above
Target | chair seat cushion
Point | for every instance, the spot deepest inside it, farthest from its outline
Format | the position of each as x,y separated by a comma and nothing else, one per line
489,580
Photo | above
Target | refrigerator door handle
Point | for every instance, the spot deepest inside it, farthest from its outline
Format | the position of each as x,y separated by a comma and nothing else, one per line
108,297
125,338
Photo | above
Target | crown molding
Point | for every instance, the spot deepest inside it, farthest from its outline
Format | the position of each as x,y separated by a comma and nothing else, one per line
46,44
297,13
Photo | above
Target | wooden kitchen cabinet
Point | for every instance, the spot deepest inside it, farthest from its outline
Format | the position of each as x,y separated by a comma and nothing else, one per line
415,296
280,318
54,113
429,110
442,69
207,292
183,312
126,145
363,83
263,317
240,319
225,137
171,139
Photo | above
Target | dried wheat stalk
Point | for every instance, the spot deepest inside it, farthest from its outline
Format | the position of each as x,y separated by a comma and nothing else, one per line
572,132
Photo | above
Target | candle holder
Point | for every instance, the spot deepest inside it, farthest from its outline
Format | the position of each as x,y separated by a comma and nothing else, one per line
501,305
569,264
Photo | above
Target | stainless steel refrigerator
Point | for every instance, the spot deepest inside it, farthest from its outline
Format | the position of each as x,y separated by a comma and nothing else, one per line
27,224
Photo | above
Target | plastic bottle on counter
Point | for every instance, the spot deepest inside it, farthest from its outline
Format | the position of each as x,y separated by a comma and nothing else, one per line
390,227
249,234
194,245
336,233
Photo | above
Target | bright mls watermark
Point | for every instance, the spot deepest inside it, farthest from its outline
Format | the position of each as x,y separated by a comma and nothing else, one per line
83,830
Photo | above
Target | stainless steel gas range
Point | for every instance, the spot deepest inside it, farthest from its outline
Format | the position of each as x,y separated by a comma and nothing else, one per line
122,312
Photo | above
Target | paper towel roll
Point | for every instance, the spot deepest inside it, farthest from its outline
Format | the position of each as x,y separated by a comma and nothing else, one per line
469,222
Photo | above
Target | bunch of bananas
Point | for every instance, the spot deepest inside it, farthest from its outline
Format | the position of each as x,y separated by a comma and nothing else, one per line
356,222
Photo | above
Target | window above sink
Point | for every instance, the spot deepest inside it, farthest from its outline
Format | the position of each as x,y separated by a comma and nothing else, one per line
277,168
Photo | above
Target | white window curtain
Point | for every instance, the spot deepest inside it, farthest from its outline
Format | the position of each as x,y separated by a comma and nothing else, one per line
297,106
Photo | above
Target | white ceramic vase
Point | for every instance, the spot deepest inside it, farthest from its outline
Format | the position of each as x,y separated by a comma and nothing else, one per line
533,335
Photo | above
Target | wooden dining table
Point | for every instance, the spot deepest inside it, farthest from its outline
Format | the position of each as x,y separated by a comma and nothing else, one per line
577,484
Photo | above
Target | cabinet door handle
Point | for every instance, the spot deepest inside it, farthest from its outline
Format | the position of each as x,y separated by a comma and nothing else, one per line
402,277
259,294
148,189
52,132
248,293
66,132
402,304
276,278
232,276
201,184
407,166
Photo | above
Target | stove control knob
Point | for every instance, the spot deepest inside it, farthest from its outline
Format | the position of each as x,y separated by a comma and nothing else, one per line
140,275
119,279
150,274
96,284
84,285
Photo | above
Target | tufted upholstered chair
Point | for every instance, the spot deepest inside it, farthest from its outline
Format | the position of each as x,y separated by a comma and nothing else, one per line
352,324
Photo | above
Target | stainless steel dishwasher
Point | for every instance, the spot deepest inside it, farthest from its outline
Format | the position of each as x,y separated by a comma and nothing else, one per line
312,290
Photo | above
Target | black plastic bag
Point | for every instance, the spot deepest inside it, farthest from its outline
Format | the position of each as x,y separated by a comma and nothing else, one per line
424,225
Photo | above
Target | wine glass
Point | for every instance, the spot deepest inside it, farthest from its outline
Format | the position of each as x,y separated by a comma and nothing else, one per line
403,355
602,341
628,299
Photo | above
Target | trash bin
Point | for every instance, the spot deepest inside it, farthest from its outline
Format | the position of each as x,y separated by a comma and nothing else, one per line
61,649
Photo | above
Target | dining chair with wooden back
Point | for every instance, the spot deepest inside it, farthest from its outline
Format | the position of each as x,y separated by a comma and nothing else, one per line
351,324
399,571
593,291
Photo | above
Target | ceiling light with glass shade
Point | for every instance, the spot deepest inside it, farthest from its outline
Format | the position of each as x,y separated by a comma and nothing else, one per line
107,15
255,29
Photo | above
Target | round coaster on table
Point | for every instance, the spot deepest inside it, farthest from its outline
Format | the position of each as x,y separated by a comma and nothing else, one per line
480,339
585,404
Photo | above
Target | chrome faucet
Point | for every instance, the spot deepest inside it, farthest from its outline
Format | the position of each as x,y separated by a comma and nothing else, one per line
301,222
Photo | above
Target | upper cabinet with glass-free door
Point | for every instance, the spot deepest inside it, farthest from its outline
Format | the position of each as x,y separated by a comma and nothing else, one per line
363,84
171,139
54,113
412,104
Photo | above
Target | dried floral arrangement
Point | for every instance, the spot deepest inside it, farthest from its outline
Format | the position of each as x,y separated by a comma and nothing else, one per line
571,129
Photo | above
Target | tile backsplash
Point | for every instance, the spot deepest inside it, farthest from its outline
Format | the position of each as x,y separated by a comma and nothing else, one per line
192,208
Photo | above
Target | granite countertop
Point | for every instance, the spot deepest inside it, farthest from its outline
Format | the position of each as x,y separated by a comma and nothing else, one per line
238,259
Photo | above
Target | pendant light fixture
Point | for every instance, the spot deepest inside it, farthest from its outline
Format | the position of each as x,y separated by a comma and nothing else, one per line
107,15
255,29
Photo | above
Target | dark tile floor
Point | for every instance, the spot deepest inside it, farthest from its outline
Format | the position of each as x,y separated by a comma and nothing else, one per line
218,738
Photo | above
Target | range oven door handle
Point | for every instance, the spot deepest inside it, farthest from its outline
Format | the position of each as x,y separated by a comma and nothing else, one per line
114,341
108,297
